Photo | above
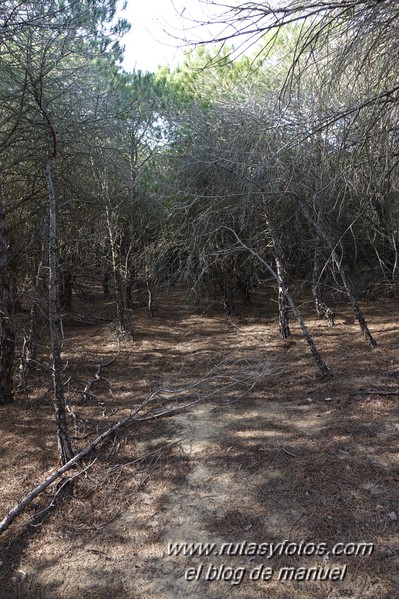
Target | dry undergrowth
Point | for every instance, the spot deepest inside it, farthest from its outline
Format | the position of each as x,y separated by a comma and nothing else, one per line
273,452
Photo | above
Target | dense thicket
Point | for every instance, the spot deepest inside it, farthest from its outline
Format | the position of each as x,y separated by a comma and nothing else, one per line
279,165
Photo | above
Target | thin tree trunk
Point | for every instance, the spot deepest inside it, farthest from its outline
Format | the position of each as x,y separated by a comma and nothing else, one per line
150,297
281,278
323,235
121,304
283,316
322,309
106,284
389,250
64,444
65,451
124,323
316,291
31,356
308,337
358,313
7,331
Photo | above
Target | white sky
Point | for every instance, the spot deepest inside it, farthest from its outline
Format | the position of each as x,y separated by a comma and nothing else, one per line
159,28
148,44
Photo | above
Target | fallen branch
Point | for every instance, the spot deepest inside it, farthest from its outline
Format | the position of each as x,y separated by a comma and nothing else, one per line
286,450
12,514
381,392
147,455
65,481
81,320
165,393
97,377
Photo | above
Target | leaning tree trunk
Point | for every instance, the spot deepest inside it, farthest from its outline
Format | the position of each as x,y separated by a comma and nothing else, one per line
308,337
323,235
64,444
358,313
305,332
7,331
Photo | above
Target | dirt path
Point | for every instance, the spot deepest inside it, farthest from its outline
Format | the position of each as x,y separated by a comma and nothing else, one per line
273,454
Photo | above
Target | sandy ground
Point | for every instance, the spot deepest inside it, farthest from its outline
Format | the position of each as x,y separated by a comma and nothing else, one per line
272,456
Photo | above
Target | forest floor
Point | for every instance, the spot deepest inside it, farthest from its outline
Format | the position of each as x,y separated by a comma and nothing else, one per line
271,454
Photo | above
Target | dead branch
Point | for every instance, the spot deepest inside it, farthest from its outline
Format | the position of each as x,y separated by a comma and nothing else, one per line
286,450
97,377
63,483
129,419
147,455
12,514
381,392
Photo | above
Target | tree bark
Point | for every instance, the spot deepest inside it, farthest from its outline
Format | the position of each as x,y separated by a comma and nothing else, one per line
316,290
31,356
7,331
120,278
322,309
150,297
106,284
283,316
281,280
124,323
64,445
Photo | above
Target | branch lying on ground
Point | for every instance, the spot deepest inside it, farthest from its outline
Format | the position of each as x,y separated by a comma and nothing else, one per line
12,514
62,484
164,393
372,392
97,376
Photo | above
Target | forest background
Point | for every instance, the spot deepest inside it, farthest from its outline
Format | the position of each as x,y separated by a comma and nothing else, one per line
232,169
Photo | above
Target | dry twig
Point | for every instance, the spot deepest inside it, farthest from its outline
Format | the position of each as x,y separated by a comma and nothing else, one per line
127,420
